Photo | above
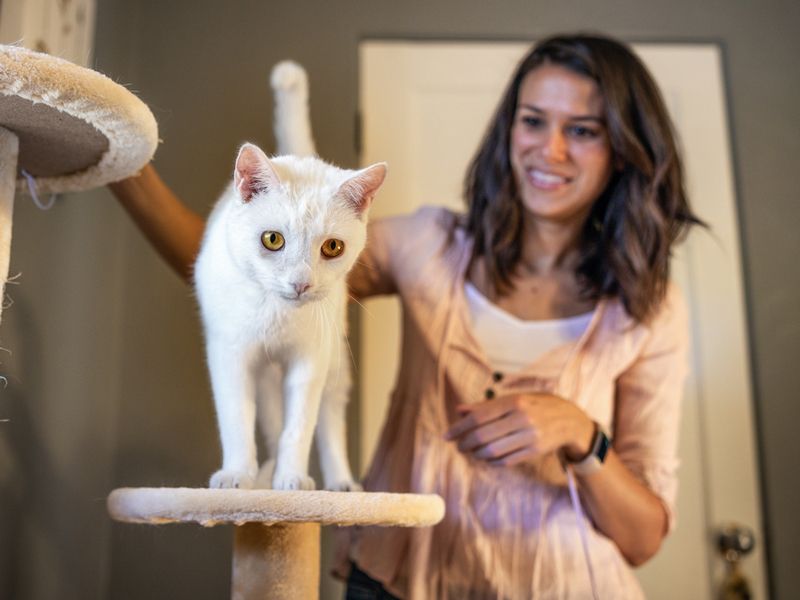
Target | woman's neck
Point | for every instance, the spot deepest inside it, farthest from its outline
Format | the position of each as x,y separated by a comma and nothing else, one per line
548,247
544,285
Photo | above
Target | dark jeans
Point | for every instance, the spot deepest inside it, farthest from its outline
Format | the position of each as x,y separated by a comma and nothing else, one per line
361,586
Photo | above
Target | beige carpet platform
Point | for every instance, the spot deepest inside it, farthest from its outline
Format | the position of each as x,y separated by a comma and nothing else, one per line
69,128
276,544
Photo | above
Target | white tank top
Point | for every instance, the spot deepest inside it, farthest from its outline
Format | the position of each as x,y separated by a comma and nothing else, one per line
511,344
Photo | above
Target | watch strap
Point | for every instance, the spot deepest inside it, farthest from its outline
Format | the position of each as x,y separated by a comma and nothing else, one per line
593,461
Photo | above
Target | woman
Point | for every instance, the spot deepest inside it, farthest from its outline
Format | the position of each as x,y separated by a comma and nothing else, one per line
532,326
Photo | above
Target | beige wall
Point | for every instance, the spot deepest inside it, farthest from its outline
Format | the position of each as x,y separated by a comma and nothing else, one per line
107,385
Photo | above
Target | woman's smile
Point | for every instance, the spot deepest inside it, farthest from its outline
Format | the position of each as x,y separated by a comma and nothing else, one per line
547,180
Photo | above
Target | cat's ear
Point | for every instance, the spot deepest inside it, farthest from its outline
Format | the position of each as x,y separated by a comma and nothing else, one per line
253,173
361,188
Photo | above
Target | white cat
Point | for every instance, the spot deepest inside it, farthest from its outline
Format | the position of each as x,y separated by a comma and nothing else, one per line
270,280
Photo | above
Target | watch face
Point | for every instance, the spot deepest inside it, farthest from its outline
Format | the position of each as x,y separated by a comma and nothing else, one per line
601,448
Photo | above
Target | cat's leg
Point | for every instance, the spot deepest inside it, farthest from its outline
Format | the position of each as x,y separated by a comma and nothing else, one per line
233,386
270,418
331,428
302,389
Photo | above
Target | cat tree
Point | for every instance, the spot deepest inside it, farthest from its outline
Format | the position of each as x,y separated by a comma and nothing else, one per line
276,544
63,128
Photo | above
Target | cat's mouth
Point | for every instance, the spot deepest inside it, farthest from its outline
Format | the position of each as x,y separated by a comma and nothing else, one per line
301,299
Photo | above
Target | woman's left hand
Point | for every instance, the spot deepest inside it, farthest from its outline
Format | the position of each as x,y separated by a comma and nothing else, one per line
516,429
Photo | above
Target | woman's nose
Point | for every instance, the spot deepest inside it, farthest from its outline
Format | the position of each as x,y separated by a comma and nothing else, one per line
554,146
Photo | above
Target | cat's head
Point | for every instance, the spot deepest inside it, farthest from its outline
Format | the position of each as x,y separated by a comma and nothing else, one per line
298,225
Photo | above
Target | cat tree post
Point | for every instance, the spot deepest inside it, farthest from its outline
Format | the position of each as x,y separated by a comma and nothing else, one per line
275,561
276,543
9,149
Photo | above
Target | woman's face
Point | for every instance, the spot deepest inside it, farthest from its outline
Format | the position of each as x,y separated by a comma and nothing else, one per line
560,152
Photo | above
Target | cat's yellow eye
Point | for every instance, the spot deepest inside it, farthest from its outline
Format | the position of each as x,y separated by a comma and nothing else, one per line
272,240
332,248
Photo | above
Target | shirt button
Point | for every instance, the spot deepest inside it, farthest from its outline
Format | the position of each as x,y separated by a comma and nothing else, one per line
497,376
489,393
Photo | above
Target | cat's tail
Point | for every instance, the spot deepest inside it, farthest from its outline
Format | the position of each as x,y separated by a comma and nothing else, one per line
292,122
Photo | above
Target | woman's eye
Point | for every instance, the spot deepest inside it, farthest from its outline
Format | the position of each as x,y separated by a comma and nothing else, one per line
532,121
272,240
332,248
580,131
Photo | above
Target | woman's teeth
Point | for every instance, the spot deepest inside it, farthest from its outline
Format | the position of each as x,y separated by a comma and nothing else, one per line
546,179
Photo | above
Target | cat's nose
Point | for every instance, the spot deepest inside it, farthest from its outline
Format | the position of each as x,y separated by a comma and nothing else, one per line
301,287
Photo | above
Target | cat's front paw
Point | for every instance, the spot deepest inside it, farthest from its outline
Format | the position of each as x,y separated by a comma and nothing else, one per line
345,486
292,481
230,478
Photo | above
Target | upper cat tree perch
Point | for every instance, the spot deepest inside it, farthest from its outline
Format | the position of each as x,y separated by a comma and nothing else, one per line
69,128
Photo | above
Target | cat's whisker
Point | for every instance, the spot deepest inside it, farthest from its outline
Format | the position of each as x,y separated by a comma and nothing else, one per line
347,344
365,265
366,310
338,334
319,320
264,342
334,331
350,351
324,316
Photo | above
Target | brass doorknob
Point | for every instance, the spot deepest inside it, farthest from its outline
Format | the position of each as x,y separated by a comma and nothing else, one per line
733,542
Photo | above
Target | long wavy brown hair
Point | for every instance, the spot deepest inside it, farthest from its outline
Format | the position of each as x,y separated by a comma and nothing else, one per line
626,242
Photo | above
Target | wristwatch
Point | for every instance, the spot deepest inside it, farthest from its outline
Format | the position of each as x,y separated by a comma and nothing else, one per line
597,455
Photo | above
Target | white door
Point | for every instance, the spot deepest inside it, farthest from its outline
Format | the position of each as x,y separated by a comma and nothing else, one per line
424,109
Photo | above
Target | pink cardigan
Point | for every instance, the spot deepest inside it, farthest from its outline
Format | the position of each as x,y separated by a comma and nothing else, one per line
507,532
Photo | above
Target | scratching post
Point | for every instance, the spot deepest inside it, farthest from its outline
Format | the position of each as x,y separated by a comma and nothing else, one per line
67,128
275,561
276,542
9,148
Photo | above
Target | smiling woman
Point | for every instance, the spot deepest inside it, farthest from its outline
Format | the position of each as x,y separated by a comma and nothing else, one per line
575,198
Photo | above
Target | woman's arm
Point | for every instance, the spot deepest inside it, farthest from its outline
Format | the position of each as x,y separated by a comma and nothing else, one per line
517,429
625,510
174,230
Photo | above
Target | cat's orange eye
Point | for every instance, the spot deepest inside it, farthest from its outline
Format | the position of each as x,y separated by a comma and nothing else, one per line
272,240
332,248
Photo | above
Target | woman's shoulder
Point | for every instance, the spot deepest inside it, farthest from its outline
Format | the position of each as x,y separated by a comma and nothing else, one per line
428,219
670,309
418,248
425,230
672,312
667,328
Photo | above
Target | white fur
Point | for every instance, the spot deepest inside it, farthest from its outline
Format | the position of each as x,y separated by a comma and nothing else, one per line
267,337
292,125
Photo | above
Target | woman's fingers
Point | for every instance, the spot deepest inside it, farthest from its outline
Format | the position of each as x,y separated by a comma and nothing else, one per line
521,442
512,429
487,433
475,415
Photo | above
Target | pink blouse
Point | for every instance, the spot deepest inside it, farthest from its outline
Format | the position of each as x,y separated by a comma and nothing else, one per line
507,532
